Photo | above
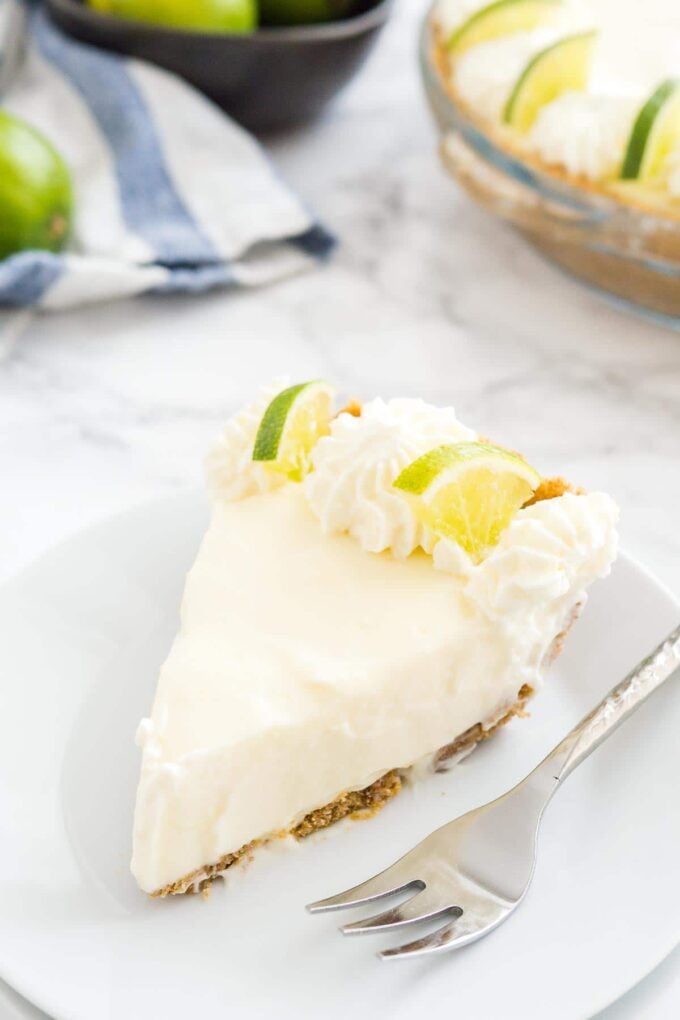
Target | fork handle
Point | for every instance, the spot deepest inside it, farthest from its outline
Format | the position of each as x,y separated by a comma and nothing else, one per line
614,709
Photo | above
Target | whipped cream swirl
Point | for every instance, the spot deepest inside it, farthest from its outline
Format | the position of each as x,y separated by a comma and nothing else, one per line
485,74
350,489
550,552
230,469
586,134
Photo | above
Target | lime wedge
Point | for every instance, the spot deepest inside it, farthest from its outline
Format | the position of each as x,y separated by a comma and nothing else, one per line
562,67
655,134
501,18
468,492
295,419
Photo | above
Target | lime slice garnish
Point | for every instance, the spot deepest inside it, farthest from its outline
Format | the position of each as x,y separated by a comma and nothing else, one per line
655,134
293,422
501,18
468,492
562,67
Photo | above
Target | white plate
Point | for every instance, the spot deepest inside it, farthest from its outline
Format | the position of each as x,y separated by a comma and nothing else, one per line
84,632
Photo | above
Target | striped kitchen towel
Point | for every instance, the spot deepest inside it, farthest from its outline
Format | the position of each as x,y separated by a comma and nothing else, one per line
171,195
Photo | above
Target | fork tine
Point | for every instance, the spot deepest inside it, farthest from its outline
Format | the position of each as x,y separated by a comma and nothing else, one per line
476,917
445,937
392,880
423,906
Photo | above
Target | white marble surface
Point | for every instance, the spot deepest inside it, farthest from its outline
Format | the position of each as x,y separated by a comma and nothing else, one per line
427,295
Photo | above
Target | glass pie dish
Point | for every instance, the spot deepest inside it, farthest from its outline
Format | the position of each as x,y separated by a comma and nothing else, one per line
623,247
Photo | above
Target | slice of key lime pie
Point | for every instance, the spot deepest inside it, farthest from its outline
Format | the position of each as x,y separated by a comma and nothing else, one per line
376,590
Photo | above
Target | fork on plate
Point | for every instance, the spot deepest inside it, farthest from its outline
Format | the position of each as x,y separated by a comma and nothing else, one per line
473,872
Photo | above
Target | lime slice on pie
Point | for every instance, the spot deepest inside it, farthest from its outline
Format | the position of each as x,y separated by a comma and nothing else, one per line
655,134
501,18
294,421
562,67
468,492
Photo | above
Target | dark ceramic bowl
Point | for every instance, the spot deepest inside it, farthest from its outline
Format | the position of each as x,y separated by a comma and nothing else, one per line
270,79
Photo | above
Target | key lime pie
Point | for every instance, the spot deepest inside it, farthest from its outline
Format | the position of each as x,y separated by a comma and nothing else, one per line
588,90
378,590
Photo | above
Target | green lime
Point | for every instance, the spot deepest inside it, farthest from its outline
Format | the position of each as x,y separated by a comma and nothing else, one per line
468,492
562,67
36,197
292,424
501,18
304,12
192,15
655,134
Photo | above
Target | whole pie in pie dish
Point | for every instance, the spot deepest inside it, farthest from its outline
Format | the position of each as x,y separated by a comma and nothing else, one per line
377,591
585,88
563,117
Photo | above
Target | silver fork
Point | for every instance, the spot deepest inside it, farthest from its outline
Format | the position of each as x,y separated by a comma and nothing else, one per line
473,872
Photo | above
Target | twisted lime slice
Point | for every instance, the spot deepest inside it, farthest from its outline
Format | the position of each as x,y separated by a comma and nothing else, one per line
655,134
562,67
468,492
294,421
501,18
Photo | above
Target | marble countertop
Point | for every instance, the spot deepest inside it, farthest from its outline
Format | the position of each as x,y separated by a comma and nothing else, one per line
427,295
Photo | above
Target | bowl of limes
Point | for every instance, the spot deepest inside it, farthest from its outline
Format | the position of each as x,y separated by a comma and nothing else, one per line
269,63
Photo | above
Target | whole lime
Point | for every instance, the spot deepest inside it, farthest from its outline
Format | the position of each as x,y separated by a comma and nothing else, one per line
304,12
36,197
192,15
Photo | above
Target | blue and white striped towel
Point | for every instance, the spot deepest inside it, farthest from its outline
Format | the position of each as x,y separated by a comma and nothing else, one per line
170,194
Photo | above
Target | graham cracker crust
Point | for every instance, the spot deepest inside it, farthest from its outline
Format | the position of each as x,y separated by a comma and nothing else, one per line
355,804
